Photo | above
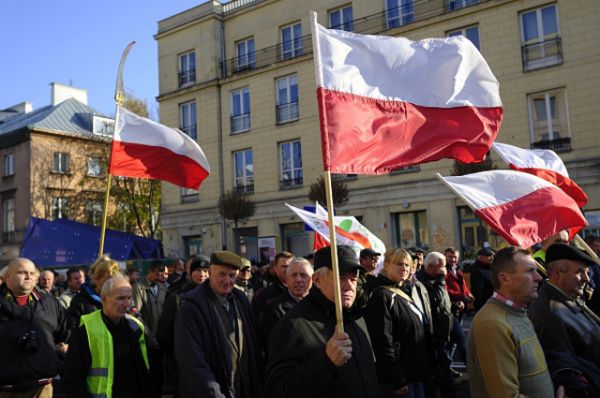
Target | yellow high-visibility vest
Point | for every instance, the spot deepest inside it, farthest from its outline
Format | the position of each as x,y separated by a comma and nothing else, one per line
100,377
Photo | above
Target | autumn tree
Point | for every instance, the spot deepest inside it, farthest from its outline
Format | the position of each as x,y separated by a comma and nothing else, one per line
316,192
236,206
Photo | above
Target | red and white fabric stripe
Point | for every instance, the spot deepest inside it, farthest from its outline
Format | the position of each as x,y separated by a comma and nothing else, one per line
388,102
522,208
143,148
543,163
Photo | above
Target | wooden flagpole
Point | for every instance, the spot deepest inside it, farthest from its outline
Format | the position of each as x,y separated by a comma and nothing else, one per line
587,248
119,98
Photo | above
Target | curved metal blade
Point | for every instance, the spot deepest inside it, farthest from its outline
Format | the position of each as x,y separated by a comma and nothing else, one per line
119,89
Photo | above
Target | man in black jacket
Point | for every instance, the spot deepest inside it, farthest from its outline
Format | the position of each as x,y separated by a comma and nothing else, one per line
561,320
215,342
481,277
307,356
33,331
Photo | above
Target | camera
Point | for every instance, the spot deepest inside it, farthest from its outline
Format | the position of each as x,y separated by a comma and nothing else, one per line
28,341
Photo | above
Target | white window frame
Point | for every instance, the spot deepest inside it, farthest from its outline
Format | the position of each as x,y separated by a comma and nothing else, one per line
189,127
296,42
61,163
245,59
463,32
59,207
542,43
241,122
187,73
540,25
93,208
455,5
246,180
292,167
94,166
8,219
9,164
550,122
348,26
292,108
402,16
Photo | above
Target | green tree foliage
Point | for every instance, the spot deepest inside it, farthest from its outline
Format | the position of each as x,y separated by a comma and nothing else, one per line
236,206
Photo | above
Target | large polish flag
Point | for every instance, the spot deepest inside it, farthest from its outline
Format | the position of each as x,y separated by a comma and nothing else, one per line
145,149
543,163
388,102
522,208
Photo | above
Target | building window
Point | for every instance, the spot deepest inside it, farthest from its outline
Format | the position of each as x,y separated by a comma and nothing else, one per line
399,12
61,162
240,110
187,118
8,217
454,5
243,169
549,120
540,40
9,164
290,159
471,33
475,234
59,208
187,69
189,195
412,230
245,55
341,19
287,99
93,212
291,41
94,167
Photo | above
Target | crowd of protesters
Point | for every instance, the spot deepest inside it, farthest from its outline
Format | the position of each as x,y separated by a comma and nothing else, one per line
218,326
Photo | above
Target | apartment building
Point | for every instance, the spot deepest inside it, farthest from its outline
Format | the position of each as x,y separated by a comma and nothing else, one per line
239,78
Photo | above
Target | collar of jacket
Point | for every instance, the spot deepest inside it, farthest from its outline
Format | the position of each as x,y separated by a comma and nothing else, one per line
555,293
424,277
88,290
349,314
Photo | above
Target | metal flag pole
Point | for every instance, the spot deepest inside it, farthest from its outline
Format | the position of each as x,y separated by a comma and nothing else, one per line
119,98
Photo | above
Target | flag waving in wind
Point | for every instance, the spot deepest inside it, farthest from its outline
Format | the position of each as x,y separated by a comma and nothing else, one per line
543,163
522,208
388,102
348,230
146,149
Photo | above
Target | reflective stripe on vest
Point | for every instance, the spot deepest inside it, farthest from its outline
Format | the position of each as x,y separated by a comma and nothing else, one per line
100,376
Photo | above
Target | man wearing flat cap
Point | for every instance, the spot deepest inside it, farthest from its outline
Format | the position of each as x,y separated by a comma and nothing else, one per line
215,342
307,356
567,329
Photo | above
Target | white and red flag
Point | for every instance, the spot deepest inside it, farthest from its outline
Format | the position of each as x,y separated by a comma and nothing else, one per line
388,102
522,208
143,148
543,163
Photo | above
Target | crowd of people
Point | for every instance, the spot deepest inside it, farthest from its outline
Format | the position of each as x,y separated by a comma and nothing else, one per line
218,326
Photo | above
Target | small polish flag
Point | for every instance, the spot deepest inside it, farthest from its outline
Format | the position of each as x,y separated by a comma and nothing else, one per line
143,148
543,163
522,208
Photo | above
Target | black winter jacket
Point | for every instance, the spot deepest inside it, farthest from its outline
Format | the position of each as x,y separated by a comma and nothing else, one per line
202,349
274,312
441,307
298,365
84,302
28,336
481,284
398,336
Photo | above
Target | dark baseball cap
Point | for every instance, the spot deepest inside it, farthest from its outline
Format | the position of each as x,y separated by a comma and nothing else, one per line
226,258
347,260
561,251
369,253
486,251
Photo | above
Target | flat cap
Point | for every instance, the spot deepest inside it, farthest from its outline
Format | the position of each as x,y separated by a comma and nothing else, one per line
486,251
561,251
226,258
347,260
201,261
246,263
369,253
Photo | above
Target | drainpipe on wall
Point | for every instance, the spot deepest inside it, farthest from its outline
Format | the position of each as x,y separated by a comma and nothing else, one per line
220,129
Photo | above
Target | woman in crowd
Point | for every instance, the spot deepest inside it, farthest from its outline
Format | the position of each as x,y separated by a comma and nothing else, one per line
88,298
399,330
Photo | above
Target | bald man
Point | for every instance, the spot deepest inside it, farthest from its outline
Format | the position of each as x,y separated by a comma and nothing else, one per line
33,331
108,351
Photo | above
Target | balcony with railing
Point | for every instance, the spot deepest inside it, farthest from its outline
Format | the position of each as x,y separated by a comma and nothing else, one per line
541,55
289,183
287,112
240,123
187,78
557,144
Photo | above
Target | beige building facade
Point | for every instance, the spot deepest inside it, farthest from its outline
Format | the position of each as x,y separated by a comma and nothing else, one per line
239,78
